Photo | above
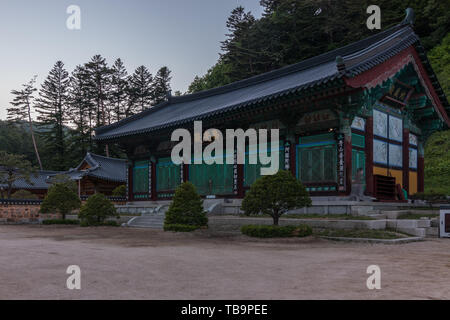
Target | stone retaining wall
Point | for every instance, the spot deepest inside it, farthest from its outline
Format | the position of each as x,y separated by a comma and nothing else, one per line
22,213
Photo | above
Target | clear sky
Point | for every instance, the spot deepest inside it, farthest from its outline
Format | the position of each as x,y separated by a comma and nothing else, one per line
185,35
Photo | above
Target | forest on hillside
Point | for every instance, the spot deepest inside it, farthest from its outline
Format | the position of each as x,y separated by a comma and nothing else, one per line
71,105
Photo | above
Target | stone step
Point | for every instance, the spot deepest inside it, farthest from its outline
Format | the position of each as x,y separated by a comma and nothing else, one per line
432,232
418,232
148,221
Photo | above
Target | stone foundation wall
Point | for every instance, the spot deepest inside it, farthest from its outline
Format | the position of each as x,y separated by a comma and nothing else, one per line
22,213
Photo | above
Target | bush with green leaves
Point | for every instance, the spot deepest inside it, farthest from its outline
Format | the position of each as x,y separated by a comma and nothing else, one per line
60,199
108,223
186,208
24,194
96,209
271,231
180,227
120,191
60,221
274,195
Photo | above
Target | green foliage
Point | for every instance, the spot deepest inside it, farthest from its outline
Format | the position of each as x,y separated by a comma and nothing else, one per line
263,231
24,194
12,168
96,209
52,109
186,207
274,195
440,60
64,179
291,31
437,163
60,199
60,221
428,196
180,227
109,223
119,191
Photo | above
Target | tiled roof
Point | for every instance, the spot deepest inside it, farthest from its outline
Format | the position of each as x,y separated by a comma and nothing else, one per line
38,181
101,167
357,57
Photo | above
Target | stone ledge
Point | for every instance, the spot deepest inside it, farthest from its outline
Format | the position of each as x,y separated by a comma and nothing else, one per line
371,240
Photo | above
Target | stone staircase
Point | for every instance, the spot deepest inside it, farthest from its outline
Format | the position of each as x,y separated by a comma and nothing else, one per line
151,214
154,221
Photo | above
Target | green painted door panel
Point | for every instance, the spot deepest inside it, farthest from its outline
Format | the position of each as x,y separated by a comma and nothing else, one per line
140,177
168,175
212,179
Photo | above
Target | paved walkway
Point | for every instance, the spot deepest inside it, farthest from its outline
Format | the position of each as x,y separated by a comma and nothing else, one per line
121,263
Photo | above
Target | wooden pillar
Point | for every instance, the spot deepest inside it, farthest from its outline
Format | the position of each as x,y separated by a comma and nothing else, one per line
129,182
185,172
152,184
240,181
405,157
347,133
369,155
293,158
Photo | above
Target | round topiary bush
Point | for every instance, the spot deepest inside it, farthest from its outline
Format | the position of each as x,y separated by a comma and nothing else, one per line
60,199
96,209
265,231
274,195
185,209
120,191
24,194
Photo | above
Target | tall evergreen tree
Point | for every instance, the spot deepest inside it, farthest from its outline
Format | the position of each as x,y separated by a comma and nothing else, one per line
100,82
161,85
140,83
119,89
82,113
52,107
21,110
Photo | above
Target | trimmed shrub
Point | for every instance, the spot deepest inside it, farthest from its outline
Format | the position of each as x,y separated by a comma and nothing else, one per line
24,194
109,223
61,199
180,227
428,196
60,221
266,231
96,209
120,191
274,195
186,208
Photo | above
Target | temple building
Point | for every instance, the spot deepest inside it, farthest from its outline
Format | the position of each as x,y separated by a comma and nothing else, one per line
370,105
98,174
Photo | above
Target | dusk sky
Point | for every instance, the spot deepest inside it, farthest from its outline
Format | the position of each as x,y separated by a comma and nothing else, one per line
185,35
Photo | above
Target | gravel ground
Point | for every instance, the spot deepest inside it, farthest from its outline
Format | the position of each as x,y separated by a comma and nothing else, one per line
123,263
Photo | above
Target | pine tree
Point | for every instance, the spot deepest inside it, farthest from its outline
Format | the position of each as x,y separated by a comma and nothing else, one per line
119,89
140,83
81,112
100,82
52,107
21,110
161,85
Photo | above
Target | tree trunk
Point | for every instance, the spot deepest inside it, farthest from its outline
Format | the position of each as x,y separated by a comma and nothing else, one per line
275,219
32,135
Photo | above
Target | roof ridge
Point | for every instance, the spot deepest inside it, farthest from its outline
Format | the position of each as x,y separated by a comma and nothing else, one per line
105,157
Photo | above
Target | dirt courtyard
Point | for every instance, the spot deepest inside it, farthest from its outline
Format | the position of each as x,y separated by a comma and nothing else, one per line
121,263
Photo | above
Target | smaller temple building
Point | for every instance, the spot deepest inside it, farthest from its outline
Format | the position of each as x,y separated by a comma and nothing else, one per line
98,174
